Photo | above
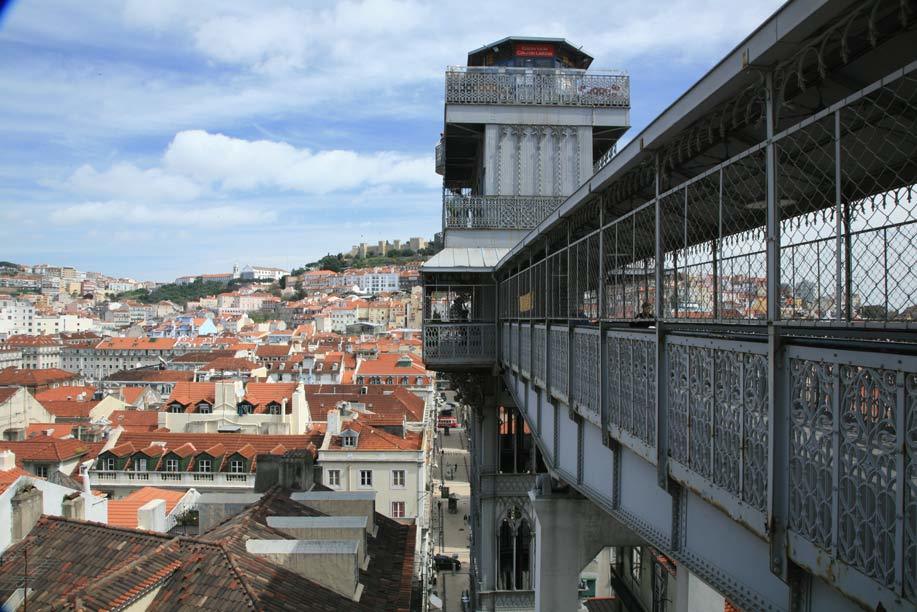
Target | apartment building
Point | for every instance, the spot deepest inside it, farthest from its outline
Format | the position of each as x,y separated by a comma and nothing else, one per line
16,317
38,352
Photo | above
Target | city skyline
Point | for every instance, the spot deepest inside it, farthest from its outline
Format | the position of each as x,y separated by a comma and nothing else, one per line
156,140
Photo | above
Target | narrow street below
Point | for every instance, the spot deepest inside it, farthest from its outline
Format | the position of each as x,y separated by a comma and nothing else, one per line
454,537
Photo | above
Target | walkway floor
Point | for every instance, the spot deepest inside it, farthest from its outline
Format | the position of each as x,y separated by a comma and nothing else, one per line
455,537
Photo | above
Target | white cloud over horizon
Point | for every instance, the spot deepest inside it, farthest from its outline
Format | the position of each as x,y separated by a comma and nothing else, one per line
310,122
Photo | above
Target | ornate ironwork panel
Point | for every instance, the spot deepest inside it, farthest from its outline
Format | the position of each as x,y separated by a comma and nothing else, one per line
811,449
631,367
679,394
700,410
496,212
727,421
585,392
755,430
910,491
538,356
565,87
867,470
559,356
459,343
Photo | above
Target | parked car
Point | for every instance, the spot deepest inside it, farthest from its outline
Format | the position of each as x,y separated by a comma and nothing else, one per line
444,562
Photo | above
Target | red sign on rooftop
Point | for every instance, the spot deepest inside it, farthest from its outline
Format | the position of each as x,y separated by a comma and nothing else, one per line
534,50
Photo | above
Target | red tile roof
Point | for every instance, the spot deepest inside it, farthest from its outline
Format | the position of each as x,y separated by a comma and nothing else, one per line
135,420
55,430
123,512
8,477
136,344
188,393
47,449
392,364
6,393
262,394
373,439
65,393
64,409
34,378
231,364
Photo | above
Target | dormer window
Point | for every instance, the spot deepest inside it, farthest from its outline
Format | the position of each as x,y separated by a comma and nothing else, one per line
176,408
245,408
349,438
273,408
204,408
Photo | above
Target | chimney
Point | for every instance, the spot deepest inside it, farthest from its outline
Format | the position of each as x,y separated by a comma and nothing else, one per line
324,528
334,422
151,516
341,503
7,460
73,506
25,509
331,563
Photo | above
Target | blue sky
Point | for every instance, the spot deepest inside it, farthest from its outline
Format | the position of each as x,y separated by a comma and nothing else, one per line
155,138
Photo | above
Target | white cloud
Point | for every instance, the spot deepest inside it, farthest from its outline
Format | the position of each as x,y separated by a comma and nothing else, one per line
272,42
234,164
128,182
121,213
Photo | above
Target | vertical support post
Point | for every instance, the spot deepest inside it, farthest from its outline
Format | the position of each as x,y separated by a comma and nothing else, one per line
603,348
716,249
777,408
838,219
662,421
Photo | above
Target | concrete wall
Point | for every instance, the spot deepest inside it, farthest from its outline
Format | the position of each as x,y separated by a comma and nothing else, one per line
331,563
324,528
20,410
334,503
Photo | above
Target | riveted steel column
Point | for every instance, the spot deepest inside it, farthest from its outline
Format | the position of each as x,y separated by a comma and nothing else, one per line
603,348
662,427
777,406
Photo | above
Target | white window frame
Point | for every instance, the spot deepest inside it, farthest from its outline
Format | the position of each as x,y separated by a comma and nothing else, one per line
111,463
395,477
366,478
334,478
140,464
399,509
236,466
205,466
171,465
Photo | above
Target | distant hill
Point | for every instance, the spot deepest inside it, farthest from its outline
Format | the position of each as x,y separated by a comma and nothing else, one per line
179,294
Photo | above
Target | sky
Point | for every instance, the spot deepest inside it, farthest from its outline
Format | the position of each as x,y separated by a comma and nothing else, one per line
157,138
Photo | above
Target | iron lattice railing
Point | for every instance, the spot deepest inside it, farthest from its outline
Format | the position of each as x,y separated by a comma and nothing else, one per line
548,86
496,212
845,199
461,343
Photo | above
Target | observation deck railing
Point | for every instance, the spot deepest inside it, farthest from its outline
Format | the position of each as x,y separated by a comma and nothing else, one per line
539,86
496,212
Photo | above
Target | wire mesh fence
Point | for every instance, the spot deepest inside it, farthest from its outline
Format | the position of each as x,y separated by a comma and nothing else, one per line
843,200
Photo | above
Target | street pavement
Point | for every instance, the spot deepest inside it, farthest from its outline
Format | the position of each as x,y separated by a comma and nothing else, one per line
452,584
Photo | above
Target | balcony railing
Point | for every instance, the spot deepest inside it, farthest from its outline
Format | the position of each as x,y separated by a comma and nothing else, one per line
495,484
547,86
496,212
508,600
440,157
459,343
185,479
